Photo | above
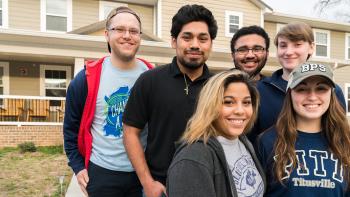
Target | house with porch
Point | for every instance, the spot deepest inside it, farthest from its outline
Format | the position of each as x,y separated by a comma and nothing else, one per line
44,43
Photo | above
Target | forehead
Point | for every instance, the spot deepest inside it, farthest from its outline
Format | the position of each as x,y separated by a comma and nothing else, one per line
250,40
237,89
195,28
125,19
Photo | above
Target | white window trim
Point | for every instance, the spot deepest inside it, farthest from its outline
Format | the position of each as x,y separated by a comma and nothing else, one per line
102,4
52,67
347,46
328,42
43,17
6,77
227,21
5,14
347,86
159,19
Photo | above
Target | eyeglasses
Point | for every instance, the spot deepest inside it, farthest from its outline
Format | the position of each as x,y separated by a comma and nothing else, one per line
123,30
245,50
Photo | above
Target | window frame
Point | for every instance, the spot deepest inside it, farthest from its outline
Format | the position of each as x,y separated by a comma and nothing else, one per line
227,21
102,4
43,68
347,98
43,15
328,45
4,12
347,46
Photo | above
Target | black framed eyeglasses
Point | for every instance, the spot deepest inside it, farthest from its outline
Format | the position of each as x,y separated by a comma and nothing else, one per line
245,50
123,30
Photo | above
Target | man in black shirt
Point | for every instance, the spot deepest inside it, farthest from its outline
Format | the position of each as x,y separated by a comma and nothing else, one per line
164,98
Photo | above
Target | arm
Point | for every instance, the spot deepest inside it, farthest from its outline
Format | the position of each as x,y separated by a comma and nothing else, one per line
77,91
136,155
188,178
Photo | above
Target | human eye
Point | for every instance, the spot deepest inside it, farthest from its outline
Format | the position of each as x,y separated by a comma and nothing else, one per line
186,37
134,31
300,89
203,38
258,49
228,102
242,50
323,87
119,29
247,102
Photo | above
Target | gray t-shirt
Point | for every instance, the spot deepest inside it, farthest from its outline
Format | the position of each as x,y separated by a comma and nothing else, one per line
246,176
107,130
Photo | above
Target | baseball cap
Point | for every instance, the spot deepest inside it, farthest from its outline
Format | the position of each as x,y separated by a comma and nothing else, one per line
307,70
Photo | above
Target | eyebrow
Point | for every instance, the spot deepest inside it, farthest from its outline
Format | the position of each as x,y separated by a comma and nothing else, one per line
231,97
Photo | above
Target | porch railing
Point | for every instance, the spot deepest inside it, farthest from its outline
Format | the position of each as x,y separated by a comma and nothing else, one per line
31,110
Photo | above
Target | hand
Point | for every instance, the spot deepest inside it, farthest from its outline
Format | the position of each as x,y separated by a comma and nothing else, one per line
83,179
154,189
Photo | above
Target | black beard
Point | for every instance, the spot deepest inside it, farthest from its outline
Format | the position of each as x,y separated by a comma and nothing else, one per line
256,71
193,65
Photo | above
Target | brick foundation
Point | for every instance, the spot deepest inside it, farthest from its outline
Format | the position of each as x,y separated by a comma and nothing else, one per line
11,136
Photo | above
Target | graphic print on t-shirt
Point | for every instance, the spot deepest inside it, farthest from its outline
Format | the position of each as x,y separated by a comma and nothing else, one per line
245,176
115,107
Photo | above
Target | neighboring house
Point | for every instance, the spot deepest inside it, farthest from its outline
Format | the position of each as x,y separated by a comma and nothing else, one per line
44,43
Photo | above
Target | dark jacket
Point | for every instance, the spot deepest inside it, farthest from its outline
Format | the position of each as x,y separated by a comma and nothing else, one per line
272,91
201,170
79,113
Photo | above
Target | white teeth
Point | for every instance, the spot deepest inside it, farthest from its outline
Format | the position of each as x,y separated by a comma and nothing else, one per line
237,122
311,106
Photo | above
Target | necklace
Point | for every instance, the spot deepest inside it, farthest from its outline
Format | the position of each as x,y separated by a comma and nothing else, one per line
186,85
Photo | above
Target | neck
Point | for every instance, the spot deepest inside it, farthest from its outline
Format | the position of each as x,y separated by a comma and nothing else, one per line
309,126
285,74
257,77
193,74
124,65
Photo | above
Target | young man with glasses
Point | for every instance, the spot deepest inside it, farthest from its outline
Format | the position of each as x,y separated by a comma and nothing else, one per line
95,103
250,49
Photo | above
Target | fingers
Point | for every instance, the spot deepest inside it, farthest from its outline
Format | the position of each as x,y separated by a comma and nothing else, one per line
83,179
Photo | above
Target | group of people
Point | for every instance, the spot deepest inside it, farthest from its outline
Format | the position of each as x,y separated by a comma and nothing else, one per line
177,130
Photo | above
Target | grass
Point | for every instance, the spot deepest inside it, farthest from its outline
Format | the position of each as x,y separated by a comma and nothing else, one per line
33,173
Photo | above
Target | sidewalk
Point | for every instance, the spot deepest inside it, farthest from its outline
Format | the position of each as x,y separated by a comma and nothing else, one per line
74,189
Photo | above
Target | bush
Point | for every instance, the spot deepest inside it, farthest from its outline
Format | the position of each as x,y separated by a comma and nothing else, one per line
26,147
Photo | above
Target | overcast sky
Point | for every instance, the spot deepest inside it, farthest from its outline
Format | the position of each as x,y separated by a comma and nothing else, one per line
294,7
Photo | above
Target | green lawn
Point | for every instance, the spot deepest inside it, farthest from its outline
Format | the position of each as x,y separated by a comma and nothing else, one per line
33,173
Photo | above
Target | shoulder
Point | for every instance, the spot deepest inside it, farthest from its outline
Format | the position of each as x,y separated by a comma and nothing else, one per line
268,137
79,79
197,152
159,71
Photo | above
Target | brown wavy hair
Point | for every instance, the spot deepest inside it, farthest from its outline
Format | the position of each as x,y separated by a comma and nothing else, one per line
201,125
335,128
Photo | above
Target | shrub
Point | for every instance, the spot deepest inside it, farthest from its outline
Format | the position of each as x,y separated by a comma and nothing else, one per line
26,147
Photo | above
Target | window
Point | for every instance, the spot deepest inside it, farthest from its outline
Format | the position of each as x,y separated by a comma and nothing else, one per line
347,98
322,43
3,13
54,81
233,22
4,80
56,15
106,7
347,46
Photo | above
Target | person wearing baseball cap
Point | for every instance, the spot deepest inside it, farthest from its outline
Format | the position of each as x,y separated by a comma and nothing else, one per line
307,152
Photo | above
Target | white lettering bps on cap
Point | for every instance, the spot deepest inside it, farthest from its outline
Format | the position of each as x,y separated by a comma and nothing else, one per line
312,67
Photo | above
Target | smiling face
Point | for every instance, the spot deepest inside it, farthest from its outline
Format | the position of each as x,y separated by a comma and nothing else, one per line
290,54
236,110
193,45
250,62
124,36
311,99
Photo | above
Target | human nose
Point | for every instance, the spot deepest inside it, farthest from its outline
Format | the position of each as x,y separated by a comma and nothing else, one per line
195,43
238,108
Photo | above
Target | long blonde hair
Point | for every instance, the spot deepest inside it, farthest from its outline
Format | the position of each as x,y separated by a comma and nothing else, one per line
201,124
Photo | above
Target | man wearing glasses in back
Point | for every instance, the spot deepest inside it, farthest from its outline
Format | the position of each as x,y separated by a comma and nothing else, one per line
93,130
250,49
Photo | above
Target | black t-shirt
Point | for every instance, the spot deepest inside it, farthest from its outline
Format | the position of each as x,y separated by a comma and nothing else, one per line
159,99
